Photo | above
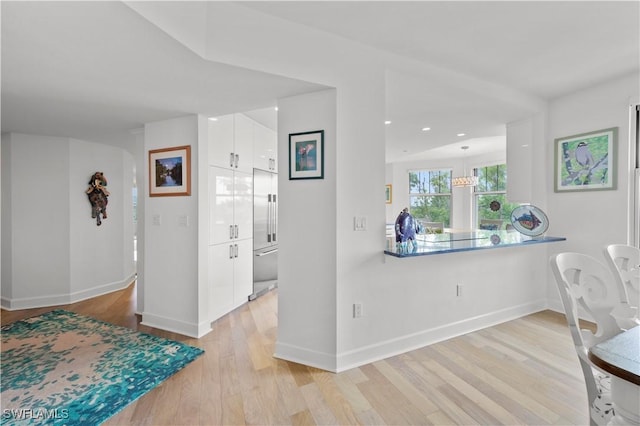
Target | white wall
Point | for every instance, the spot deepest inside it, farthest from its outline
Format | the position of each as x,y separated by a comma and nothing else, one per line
591,220
53,252
307,218
172,275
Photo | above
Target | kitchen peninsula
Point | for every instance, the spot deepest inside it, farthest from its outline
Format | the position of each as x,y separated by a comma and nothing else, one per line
450,242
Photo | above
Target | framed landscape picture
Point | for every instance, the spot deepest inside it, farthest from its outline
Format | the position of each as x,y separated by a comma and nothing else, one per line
388,193
170,171
306,155
586,162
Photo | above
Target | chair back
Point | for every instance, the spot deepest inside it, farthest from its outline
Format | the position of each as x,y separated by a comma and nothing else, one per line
624,261
583,281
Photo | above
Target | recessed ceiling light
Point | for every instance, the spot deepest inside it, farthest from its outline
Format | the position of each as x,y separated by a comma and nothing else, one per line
213,118
276,108
461,134
387,122
426,129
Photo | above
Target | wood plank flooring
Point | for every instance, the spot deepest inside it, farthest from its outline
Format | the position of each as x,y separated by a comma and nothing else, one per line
521,372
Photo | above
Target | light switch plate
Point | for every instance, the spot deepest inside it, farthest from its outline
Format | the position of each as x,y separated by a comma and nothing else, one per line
360,223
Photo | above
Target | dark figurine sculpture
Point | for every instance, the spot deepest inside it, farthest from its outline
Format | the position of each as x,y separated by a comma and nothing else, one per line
98,194
406,227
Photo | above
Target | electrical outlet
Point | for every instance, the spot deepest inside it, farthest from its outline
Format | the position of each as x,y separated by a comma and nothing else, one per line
357,310
459,290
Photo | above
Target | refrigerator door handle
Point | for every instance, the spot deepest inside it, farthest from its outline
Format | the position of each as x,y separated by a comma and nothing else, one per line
231,159
274,219
268,218
231,232
230,251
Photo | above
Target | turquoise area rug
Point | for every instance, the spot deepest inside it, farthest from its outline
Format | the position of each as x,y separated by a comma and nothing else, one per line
63,368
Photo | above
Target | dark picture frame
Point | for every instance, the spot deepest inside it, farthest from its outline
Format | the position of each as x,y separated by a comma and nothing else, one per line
586,162
170,171
306,155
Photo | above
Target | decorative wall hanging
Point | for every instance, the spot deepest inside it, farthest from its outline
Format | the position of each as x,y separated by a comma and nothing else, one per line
586,162
529,220
97,193
388,193
306,155
170,171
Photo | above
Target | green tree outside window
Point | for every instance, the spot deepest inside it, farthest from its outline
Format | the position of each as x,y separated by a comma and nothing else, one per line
491,188
430,195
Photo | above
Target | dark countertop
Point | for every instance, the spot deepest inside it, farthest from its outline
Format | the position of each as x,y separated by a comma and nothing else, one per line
451,242
619,355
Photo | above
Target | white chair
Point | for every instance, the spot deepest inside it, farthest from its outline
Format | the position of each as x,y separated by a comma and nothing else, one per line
624,261
584,281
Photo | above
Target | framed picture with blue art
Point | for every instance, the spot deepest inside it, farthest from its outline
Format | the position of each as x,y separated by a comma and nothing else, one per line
170,171
586,162
306,155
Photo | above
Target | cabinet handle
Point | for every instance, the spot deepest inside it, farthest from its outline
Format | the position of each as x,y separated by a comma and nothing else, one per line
230,251
237,159
236,233
236,250
231,159
231,232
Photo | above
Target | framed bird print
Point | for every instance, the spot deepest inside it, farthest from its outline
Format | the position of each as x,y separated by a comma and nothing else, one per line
586,162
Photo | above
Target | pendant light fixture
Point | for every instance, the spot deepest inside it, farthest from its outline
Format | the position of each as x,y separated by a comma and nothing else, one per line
465,180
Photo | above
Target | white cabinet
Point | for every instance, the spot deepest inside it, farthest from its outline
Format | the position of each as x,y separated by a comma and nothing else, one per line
230,276
230,205
231,142
230,239
265,148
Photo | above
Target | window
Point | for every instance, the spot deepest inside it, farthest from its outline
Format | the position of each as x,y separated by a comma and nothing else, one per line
430,195
491,197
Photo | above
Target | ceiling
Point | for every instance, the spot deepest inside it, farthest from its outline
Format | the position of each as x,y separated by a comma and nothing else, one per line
120,73
492,63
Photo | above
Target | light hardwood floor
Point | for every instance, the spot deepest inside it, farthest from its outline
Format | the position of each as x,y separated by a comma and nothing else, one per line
521,372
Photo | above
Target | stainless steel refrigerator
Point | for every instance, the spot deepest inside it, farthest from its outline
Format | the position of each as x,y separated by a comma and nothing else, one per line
265,232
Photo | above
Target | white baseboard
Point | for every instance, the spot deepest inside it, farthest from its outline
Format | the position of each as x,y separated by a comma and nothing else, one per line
176,326
64,299
368,354
324,361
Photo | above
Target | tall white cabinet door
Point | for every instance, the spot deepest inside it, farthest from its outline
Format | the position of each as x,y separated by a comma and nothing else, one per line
264,148
243,272
243,143
221,141
221,283
221,205
243,205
